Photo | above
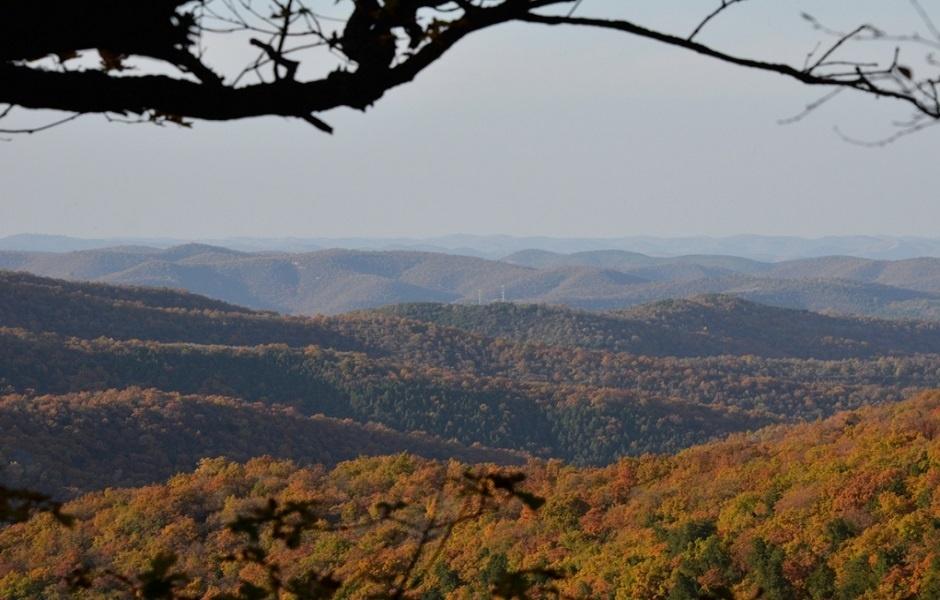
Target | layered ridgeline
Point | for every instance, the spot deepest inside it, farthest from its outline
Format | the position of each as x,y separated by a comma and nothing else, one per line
846,508
73,443
758,247
711,325
334,281
913,273
581,404
407,376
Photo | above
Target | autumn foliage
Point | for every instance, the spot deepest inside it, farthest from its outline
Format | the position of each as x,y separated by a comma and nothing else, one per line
845,508
212,452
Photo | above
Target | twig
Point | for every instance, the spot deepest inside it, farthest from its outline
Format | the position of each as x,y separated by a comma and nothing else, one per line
928,22
574,7
32,130
888,140
289,65
318,123
810,107
724,4
836,46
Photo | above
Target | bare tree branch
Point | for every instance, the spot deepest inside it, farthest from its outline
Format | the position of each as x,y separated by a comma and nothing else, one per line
811,107
369,47
856,79
886,141
721,8
843,39
928,22
31,130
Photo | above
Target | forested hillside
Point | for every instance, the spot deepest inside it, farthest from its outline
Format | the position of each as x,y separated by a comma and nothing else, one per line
580,404
590,421
63,445
700,326
846,508
96,310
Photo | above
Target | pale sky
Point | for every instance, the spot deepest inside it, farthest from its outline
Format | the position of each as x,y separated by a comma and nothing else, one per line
523,130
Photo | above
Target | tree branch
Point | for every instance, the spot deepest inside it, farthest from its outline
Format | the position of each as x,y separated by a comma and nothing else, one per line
31,130
378,47
721,8
857,81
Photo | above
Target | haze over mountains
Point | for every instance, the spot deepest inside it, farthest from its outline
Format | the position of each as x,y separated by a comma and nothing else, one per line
757,247
335,281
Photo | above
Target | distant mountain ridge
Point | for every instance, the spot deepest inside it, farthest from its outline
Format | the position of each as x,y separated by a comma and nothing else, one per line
757,247
921,274
335,281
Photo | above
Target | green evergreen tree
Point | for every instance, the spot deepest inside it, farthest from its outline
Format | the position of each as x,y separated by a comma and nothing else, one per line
766,563
821,583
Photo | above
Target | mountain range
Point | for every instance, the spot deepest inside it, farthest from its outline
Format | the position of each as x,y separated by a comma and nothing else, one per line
335,281
125,362
757,247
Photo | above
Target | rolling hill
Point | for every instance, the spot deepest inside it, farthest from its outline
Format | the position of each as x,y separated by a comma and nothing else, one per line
921,274
585,404
621,260
74,443
336,281
699,326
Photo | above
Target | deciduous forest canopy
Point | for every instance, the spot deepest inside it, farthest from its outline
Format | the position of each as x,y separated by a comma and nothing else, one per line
146,61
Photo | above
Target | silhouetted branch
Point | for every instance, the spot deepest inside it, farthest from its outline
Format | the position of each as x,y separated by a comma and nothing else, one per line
856,79
462,499
888,140
278,59
812,106
721,8
31,130
928,22
373,46
843,39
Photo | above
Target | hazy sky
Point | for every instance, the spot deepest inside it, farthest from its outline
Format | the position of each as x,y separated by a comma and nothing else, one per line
523,130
